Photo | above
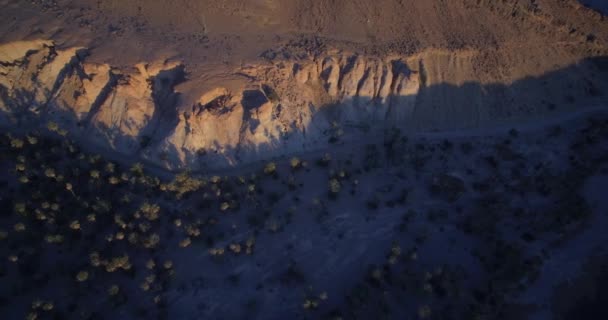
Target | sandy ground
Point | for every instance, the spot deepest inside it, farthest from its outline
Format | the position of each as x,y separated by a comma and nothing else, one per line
505,241
234,31
452,252
214,37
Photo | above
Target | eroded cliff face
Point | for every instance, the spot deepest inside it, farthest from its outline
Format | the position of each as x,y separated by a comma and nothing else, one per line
294,106
121,110
285,105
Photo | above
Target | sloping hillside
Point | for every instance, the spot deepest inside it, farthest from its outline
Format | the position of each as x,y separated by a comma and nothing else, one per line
218,83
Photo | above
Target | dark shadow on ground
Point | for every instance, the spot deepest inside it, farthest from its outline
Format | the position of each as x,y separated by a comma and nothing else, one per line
599,5
435,107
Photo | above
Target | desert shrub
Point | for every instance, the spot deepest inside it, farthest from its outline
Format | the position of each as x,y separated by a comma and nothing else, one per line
235,247
295,163
52,126
184,184
150,211
424,312
20,167
185,242
17,143
82,276
270,168
113,290
95,174
32,139
274,225
137,169
117,263
334,188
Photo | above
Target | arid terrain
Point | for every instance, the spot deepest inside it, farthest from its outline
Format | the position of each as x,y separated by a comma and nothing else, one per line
209,84
303,159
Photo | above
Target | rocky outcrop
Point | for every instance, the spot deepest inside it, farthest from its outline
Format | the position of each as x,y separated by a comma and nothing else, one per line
287,105
115,108
137,105
32,72
293,106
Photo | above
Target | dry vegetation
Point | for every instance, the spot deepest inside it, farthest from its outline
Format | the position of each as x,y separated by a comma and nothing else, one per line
85,237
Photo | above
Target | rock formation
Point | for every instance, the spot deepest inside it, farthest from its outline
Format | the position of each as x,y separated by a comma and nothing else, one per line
288,105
